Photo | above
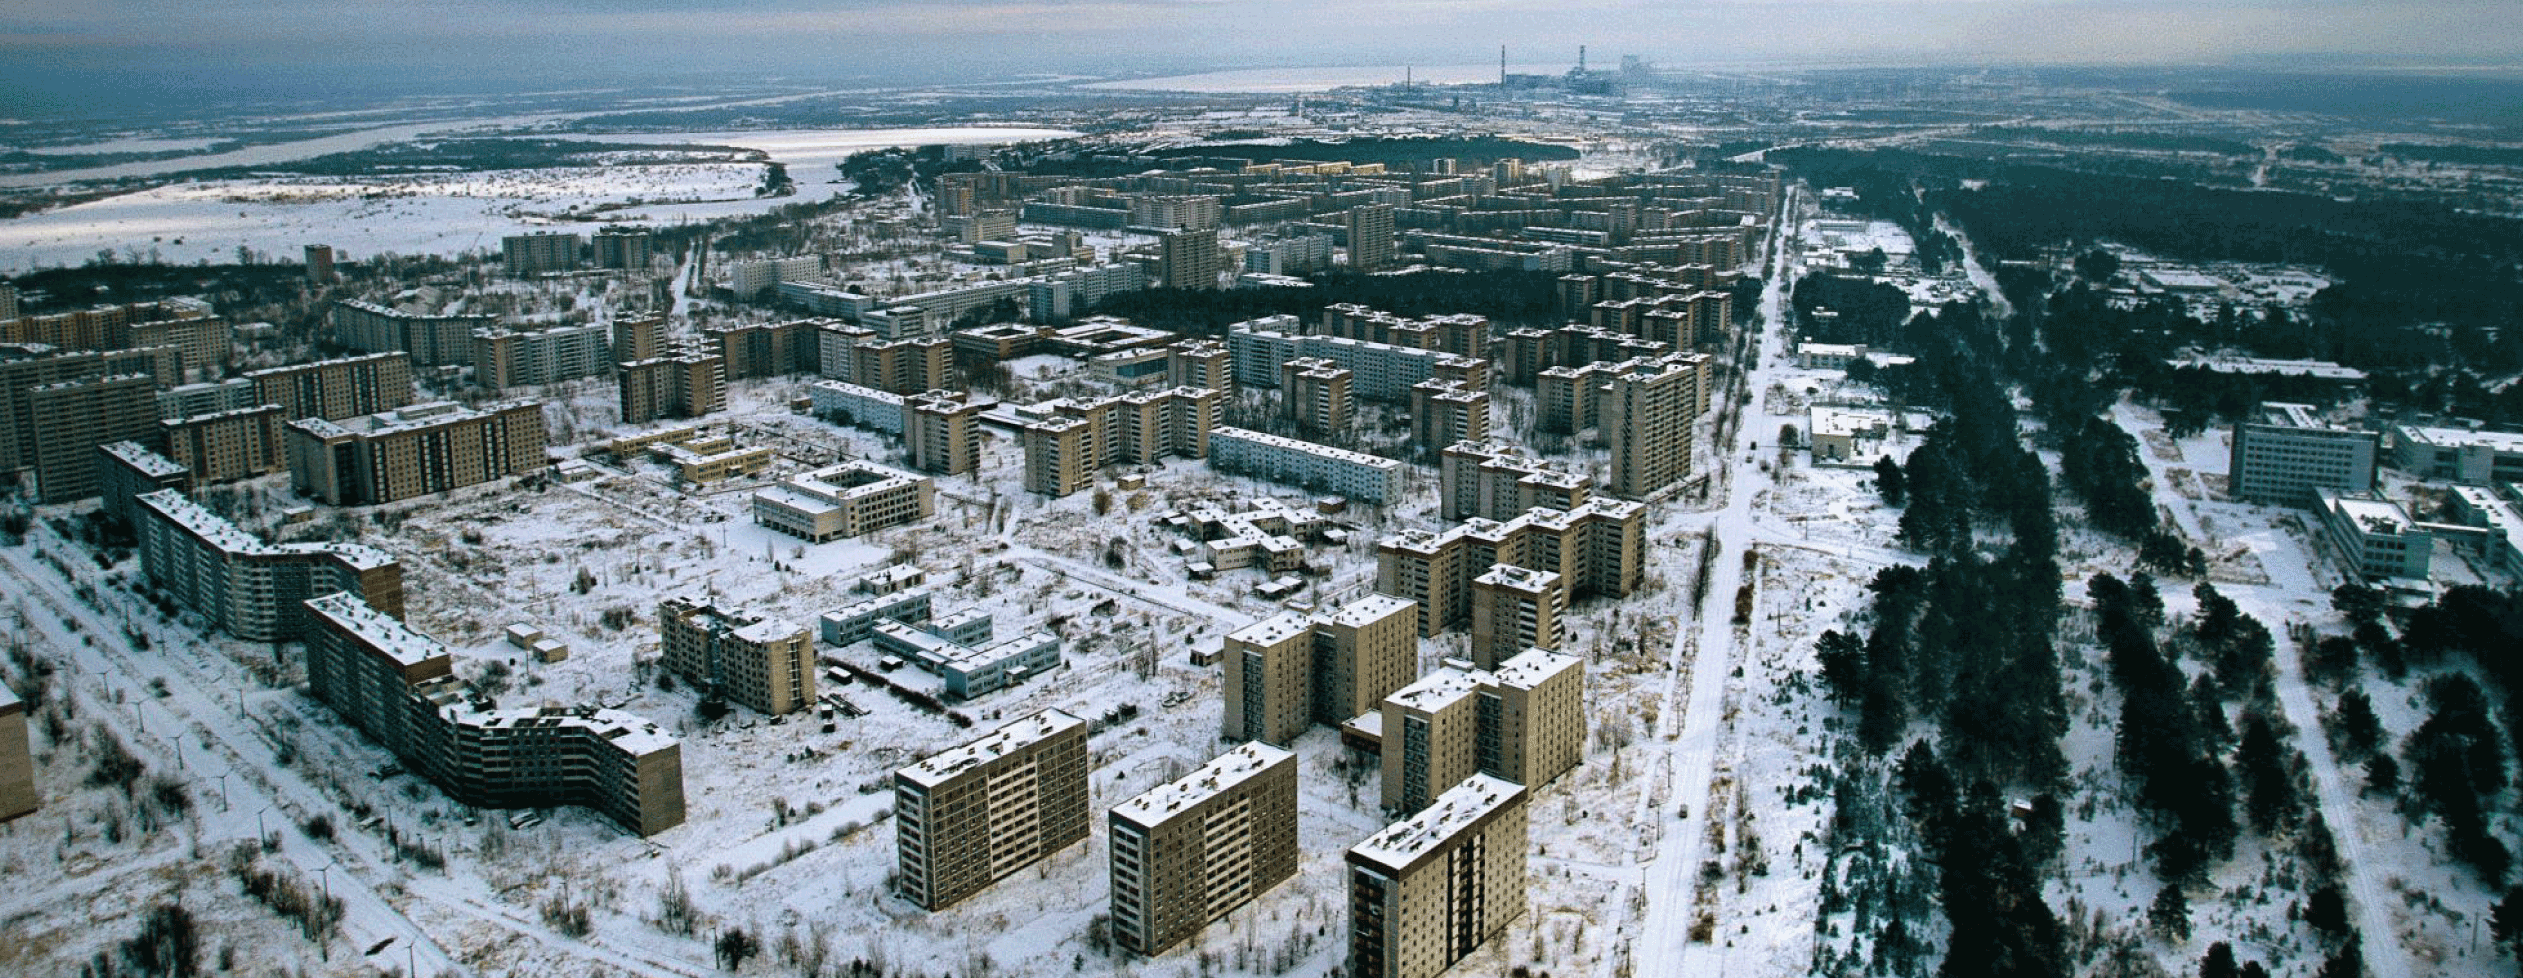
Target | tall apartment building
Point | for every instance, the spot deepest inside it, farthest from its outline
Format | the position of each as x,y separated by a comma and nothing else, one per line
433,341
18,795
505,358
1524,722
319,264
1200,363
399,687
1369,230
540,252
1525,353
335,389
1513,609
2283,453
769,349
943,431
1596,548
126,326
1285,673
1194,849
1428,890
622,247
1190,260
639,338
1062,296
69,420
413,451
1649,412
9,303
1315,393
1176,212
846,500
763,663
905,366
1493,480
248,588
969,816
228,445
33,434
1067,441
685,383
1355,476
1461,334
1444,412
1570,398
1384,371
126,471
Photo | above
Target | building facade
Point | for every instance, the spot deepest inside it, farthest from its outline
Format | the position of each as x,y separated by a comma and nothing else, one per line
505,358
1426,891
846,500
335,389
248,588
413,451
687,383
967,817
2283,454
1192,850
761,663
1283,674
228,445
1524,721
1355,476
1595,549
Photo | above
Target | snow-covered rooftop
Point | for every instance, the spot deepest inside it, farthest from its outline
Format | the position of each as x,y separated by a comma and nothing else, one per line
1220,775
1461,808
1022,732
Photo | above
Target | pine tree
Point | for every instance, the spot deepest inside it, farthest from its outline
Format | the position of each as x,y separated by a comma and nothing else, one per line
2170,914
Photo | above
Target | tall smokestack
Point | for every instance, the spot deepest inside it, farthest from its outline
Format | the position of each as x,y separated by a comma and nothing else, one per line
1502,66
1581,59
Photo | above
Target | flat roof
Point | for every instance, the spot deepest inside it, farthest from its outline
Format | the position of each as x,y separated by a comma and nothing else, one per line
1441,686
1268,631
1369,609
1017,734
2499,441
1463,806
380,631
1222,774
150,463
1533,667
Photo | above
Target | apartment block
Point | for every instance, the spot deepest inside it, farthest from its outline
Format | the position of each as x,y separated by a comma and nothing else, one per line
1295,255
208,397
253,590
1444,412
228,445
32,399
904,366
1176,212
18,795
1283,674
686,383
622,247
1571,398
2284,453
1190,260
750,279
1525,353
1428,890
126,471
69,420
1192,850
639,338
1204,364
846,500
335,389
1522,721
765,664
1496,481
943,431
1596,548
413,451
1515,608
1649,412
1355,476
399,687
1383,371
856,406
1368,230
1315,393
540,252
768,349
972,815
433,341
2479,458
505,358
124,326
1062,296
1461,334
1067,441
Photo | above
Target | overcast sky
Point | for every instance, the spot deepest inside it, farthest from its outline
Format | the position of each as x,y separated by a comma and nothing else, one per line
65,46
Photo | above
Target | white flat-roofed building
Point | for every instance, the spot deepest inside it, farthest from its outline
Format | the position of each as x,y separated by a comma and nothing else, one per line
2375,536
852,404
1356,476
1426,891
1192,850
2479,458
852,623
969,816
2284,453
959,648
845,500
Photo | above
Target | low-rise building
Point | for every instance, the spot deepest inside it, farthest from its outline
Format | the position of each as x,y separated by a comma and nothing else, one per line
2375,536
845,500
962,650
1192,850
2479,458
967,817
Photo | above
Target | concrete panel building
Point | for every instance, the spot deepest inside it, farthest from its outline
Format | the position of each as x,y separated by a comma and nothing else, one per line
413,451
2284,453
1513,609
943,431
228,445
846,500
686,383
1355,476
2479,458
1523,721
541,252
33,398
1428,890
1067,441
1192,850
1190,260
335,389
69,420
399,688
1443,412
248,588
2375,537
127,471
1315,393
765,664
1283,674
1496,481
1596,549
968,817
1368,229
433,341
504,358
18,795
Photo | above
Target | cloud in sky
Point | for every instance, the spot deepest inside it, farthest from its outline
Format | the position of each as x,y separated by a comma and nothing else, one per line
440,43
